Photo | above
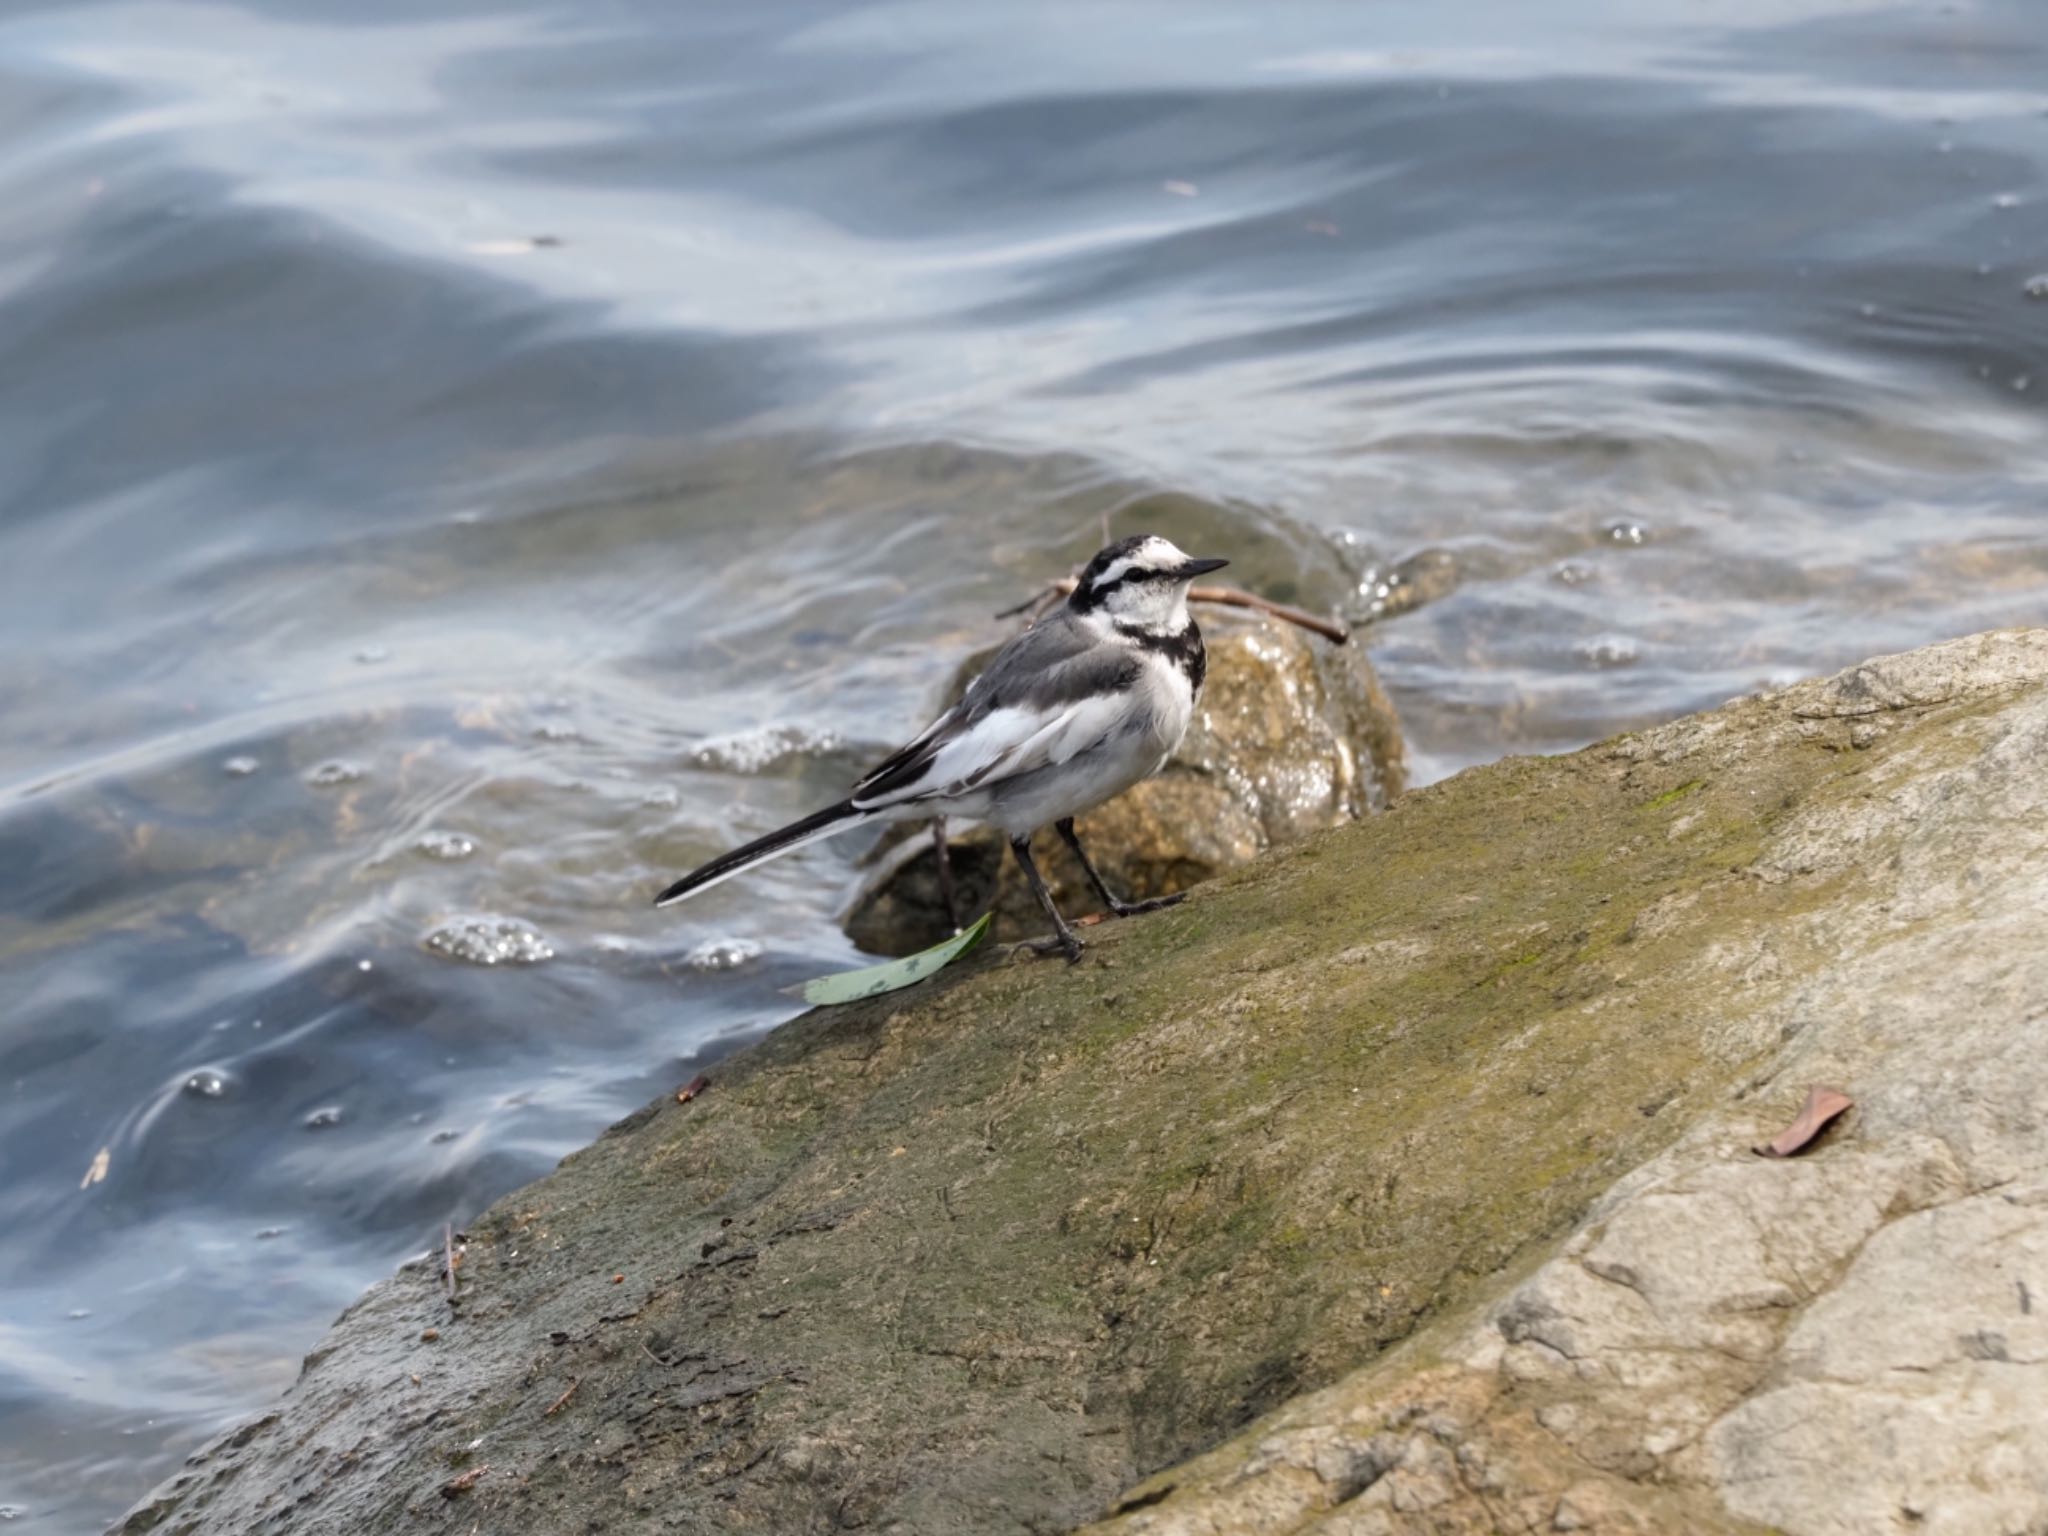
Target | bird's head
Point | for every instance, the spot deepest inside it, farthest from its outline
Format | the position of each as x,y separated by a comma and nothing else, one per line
1140,583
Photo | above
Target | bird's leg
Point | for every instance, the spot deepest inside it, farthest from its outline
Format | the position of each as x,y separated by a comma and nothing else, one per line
1063,937
1120,908
947,893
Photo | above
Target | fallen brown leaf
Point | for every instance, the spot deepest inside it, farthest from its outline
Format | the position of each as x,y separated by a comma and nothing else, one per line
1821,1107
692,1088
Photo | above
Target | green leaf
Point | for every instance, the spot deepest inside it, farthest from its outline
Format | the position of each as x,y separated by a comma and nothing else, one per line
874,980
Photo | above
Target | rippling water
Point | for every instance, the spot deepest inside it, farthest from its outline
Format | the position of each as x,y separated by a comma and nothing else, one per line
463,462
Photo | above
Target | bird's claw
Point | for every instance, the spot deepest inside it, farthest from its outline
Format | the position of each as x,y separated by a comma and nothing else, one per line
1058,944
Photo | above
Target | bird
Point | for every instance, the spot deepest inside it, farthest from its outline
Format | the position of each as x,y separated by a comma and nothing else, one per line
1071,712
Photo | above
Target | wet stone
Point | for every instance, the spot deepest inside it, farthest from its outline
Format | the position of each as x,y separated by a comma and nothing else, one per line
490,941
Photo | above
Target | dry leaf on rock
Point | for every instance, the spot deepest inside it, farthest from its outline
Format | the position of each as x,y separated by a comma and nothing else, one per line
1821,1107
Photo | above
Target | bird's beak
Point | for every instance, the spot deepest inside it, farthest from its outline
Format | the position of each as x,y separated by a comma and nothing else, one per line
1196,568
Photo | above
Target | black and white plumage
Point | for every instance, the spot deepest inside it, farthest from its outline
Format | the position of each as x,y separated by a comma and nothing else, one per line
1073,711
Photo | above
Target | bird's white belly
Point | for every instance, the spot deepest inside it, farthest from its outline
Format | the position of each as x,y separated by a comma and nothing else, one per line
1161,706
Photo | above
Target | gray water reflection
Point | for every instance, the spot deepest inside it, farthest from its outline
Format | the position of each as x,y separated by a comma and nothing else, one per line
460,463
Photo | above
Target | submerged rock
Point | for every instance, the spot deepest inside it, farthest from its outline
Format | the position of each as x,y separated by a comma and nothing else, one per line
1293,736
1402,1179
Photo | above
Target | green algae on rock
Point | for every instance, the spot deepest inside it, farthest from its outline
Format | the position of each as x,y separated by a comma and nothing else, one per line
1300,1155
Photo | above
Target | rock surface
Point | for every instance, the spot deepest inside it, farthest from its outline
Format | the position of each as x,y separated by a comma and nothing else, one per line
1293,735
1402,1178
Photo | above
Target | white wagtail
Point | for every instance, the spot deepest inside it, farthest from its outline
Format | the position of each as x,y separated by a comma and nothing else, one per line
1075,710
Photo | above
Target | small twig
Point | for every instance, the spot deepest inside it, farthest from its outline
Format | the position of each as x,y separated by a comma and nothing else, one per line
448,1255
1225,597
1231,597
563,1401
455,1487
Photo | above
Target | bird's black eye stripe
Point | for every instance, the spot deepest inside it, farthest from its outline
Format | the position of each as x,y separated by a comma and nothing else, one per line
1136,573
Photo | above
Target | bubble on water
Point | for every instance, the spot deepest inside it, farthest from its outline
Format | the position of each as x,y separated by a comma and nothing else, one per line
722,954
207,1083
366,965
752,751
240,767
443,1136
326,1116
1867,311
2036,287
1625,532
490,941
1574,573
449,846
371,655
661,798
612,944
2006,200
1605,651
336,771
265,1234
2020,384
1945,146
78,1314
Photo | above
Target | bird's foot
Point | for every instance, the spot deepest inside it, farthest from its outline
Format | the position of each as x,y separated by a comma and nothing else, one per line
1057,944
1156,904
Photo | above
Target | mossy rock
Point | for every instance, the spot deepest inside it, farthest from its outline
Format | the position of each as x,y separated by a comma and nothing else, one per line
984,1255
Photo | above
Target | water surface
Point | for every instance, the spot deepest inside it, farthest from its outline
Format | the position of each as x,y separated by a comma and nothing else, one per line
472,460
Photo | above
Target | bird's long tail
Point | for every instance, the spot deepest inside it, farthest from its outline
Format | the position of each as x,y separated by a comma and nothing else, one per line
834,818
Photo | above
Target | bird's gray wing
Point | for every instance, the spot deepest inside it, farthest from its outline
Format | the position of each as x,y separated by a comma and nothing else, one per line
1051,692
